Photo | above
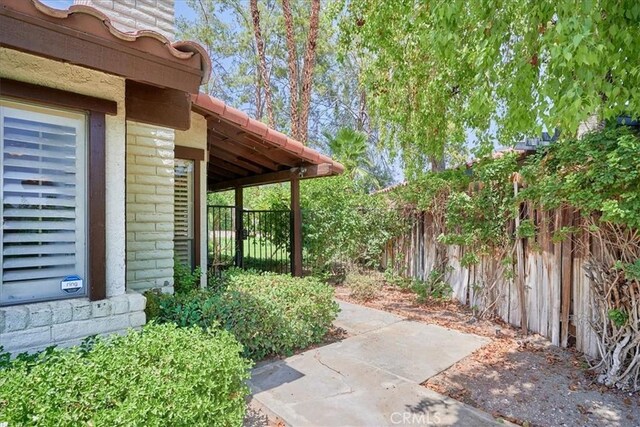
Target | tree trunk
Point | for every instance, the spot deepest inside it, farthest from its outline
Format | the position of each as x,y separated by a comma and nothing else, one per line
362,112
262,60
258,96
437,165
307,69
292,61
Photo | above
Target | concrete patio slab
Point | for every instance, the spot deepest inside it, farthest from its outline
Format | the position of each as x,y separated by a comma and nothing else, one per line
371,379
313,390
357,320
412,350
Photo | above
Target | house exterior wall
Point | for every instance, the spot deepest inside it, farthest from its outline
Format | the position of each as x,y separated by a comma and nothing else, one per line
593,123
131,15
196,137
150,188
31,327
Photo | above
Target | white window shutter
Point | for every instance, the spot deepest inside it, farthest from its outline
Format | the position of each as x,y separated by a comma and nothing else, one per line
43,209
183,212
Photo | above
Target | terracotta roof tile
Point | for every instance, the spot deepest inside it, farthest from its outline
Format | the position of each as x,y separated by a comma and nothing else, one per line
235,116
257,127
276,137
295,146
310,154
211,106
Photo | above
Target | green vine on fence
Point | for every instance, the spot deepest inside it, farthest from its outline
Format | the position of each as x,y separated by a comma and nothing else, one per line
598,177
599,174
475,204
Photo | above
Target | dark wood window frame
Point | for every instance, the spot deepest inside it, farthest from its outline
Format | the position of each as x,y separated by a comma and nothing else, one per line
96,109
197,155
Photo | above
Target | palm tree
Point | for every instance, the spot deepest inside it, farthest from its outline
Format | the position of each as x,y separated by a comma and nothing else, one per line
350,147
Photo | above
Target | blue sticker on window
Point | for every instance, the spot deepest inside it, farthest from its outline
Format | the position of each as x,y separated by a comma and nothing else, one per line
71,284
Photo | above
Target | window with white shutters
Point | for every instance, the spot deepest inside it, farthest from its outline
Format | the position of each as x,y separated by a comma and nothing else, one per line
183,240
43,187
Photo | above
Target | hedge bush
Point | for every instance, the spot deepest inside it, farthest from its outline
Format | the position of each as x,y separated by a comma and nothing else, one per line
161,376
269,314
363,287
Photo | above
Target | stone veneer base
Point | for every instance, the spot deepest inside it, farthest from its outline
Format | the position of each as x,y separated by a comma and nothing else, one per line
33,327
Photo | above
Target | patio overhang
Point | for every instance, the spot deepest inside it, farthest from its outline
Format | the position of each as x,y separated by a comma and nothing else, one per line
244,152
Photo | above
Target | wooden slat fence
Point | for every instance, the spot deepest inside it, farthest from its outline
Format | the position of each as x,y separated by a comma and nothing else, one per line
555,289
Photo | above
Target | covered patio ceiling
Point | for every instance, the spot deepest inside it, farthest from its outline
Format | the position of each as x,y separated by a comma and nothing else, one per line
244,152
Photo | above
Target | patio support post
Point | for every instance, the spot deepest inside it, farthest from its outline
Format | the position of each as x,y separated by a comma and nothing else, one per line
296,229
239,229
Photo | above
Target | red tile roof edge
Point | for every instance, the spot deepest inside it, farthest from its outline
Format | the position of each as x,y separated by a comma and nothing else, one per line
178,49
277,139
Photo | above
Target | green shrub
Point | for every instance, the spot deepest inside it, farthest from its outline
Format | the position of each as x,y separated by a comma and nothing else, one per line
160,376
363,287
434,288
394,279
195,308
184,278
277,314
268,313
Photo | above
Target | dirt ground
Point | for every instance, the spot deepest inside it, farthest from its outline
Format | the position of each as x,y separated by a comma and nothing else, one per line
523,379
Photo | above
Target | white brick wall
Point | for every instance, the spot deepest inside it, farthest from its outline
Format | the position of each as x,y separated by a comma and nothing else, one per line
131,15
34,327
149,212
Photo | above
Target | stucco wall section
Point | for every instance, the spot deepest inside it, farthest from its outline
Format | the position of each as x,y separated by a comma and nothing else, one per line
150,188
196,137
131,15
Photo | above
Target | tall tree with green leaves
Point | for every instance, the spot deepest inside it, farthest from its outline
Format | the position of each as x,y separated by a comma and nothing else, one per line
436,71
269,56
263,74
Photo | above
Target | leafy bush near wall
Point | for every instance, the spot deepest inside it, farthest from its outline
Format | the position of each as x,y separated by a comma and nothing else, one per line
434,288
185,279
269,314
161,376
364,287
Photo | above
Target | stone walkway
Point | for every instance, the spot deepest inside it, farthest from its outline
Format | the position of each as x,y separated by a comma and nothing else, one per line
371,378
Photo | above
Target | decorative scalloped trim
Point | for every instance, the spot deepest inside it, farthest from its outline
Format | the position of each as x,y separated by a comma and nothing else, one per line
179,49
191,46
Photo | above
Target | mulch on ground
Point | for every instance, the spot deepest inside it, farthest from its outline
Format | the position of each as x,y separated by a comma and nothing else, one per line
521,378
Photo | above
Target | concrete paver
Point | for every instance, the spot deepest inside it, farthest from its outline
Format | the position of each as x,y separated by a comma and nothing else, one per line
370,379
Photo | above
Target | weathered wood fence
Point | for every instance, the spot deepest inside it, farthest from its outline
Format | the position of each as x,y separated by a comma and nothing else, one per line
546,290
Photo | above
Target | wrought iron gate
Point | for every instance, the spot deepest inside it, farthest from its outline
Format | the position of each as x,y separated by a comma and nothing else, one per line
262,240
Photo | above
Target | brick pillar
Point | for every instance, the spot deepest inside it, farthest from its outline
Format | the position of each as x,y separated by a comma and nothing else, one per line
149,212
